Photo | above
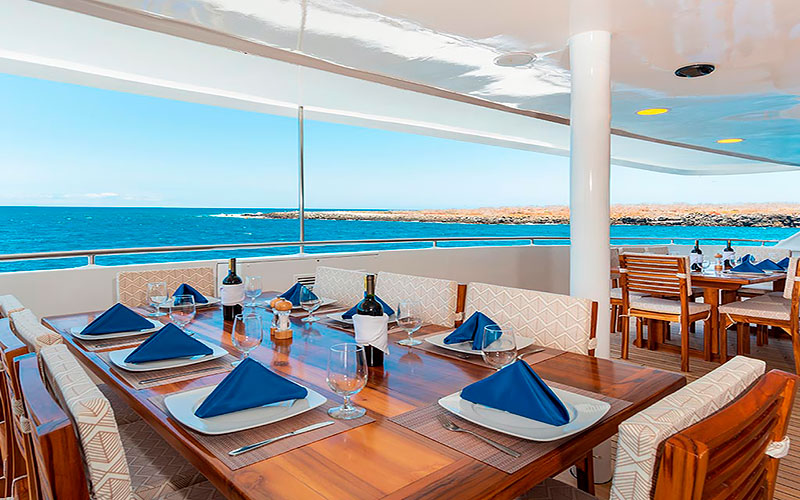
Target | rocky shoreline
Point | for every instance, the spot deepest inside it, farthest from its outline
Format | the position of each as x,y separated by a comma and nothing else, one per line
757,215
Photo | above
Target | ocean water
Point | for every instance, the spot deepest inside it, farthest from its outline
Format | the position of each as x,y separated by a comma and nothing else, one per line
45,229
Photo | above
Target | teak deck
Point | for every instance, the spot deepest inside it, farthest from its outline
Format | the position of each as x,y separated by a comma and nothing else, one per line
382,459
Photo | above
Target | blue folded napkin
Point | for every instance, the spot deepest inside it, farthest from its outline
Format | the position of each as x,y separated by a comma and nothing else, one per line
747,267
168,343
186,289
249,385
518,389
471,331
296,293
352,311
747,258
784,263
117,319
768,265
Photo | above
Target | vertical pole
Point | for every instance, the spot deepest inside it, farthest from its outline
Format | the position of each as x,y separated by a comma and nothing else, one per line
590,172
301,188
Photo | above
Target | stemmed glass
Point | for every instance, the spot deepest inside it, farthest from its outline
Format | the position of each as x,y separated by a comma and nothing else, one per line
347,375
498,346
252,288
408,318
182,310
310,303
247,334
157,295
705,265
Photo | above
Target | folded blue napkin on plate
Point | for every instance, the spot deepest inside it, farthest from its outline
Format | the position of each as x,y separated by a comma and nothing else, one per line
168,343
471,331
747,267
784,263
117,319
249,385
518,389
768,265
352,311
295,294
186,289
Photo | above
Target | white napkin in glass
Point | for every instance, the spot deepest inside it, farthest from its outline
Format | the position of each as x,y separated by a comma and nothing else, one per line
372,330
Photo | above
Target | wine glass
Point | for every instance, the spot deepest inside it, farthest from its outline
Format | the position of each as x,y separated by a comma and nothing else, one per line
252,288
347,375
705,265
498,346
182,310
157,295
408,318
247,333
310,303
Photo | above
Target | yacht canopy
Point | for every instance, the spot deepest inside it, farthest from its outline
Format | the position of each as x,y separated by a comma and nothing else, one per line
427,68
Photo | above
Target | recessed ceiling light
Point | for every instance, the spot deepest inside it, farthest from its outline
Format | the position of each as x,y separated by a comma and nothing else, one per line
695,70
652,111
514,59
732,140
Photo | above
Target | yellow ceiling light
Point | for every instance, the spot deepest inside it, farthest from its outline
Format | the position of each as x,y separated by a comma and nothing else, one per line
732,140
652,111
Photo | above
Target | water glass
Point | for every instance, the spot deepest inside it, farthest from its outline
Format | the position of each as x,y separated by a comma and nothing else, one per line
347,375
252,288
705,265
409,319
247,333
156,296
182,310
310,303
498,346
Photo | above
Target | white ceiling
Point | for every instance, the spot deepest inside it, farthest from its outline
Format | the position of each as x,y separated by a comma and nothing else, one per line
451,45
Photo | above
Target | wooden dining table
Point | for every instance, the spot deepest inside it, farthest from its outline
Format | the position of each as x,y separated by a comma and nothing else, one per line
381,459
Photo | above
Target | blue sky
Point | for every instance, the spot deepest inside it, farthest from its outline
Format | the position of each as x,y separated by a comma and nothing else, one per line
64,144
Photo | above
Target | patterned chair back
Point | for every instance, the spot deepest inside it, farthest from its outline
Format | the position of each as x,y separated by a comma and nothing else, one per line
553,320
437,298
791,277
31,331
132,285
342,285
763,252
641,435
9,304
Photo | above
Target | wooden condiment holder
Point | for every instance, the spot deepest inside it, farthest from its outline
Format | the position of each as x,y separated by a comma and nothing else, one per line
283,329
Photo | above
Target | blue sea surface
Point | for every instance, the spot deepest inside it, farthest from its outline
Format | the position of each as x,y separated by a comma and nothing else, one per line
48,229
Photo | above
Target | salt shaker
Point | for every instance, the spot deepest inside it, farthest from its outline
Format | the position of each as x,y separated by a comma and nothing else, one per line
718,266
283,327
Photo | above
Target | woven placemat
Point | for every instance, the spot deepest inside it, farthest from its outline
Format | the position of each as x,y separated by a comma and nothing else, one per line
476,359
220,445
109,344
423,421
322,311
141,380
344,327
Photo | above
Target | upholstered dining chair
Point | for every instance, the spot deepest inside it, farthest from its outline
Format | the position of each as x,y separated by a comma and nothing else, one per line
760,253
80,450
778,310
662,278
438,298
690,445
132,285
9,304
14,470
345,286
553,320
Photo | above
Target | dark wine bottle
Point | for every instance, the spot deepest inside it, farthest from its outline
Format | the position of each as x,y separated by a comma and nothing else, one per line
232,293
728,256
371,307
696,257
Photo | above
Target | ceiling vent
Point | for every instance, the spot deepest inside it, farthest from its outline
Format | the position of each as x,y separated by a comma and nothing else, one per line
514,59
695,70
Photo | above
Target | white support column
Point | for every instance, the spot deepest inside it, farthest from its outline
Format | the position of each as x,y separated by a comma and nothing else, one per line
590,168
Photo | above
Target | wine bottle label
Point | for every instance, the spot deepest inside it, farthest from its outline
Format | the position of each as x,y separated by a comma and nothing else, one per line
696,258
232,295
728,255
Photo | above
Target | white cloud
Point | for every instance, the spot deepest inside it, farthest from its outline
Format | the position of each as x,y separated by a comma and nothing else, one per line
92,195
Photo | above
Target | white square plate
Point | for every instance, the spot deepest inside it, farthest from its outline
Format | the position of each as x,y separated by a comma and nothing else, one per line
76,332
466,347
183,405
118,358
338,317
583,413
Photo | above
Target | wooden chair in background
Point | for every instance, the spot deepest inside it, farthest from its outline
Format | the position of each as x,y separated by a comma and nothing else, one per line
660,279
16,459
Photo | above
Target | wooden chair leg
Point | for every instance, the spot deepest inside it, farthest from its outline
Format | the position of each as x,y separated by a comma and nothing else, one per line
585,473
652,334
693,327
685,333
667,331
623,348
762,335
614,318
708,335
796,349
742,338
639,333
722,331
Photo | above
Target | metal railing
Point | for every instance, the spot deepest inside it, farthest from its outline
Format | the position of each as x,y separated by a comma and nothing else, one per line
91,255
